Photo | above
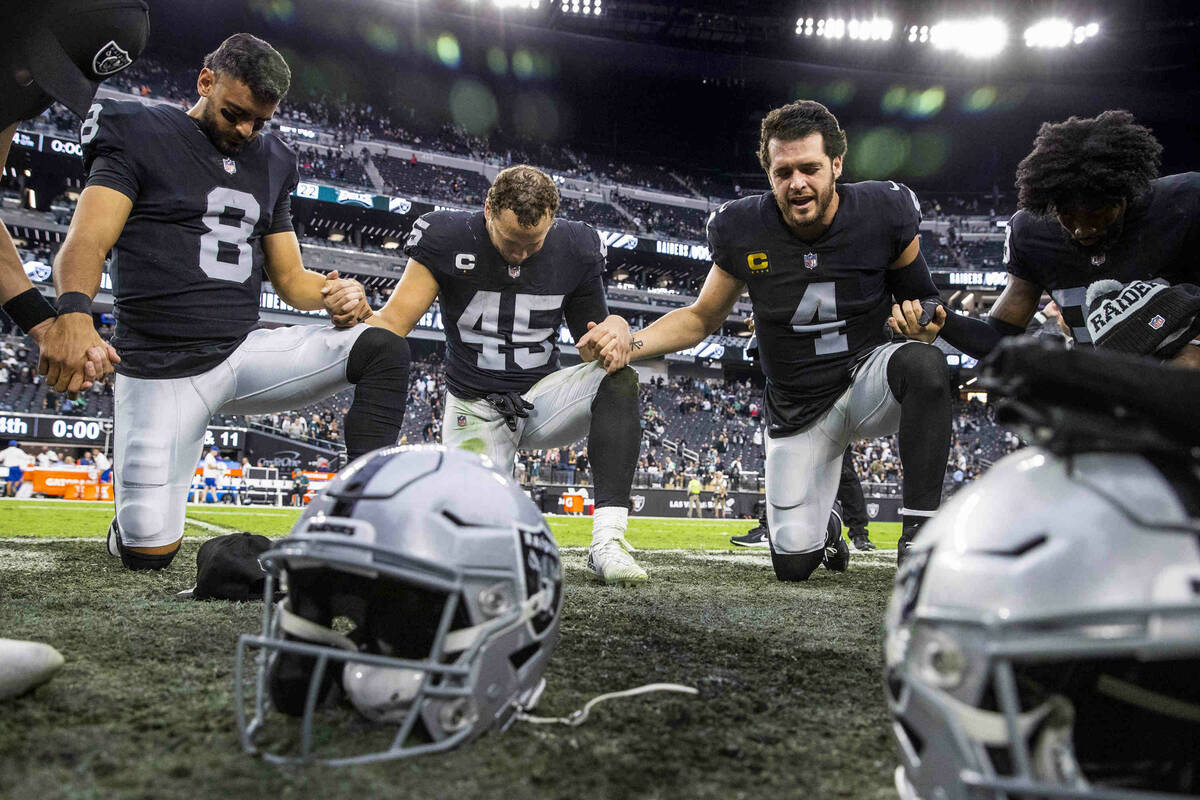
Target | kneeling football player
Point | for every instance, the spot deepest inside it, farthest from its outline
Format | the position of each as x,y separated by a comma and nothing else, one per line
822,262
507,276
194,206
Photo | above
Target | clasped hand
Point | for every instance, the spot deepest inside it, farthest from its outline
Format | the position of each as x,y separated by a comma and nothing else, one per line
345,300
918,320
72,355
609,341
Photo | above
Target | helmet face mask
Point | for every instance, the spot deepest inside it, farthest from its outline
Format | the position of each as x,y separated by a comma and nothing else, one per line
422,618
1049,656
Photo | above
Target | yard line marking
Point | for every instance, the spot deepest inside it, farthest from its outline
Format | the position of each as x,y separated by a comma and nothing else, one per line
211,526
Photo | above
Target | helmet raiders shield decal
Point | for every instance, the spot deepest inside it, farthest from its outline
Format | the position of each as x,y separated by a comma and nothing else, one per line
110,59
543,571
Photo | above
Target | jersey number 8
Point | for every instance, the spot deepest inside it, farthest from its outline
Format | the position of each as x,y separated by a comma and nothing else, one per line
225,253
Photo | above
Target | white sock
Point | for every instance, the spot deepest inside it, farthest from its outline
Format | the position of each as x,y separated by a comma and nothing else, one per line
609,523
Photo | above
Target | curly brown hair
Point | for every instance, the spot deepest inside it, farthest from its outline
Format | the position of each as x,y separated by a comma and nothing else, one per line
526,191
1088,163
798,120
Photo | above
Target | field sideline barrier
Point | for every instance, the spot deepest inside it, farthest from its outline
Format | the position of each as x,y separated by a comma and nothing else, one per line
672,503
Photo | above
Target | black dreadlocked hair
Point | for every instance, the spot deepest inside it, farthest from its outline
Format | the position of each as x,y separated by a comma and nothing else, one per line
1088,163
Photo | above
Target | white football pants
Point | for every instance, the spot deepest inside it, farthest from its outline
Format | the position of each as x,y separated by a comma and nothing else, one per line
160,424
804,469
561,415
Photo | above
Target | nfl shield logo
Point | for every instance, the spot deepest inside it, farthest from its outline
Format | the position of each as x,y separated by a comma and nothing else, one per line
230,165
462,420
514,272
872,510
1098,259
810,260
1157,322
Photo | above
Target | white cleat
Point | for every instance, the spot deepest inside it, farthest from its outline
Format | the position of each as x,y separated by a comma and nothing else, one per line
612,564
24,665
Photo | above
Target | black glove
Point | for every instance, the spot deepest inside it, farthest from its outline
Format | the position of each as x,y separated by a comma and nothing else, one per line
929,307
510,405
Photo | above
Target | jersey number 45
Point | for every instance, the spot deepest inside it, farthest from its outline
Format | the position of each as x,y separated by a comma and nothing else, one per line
485,326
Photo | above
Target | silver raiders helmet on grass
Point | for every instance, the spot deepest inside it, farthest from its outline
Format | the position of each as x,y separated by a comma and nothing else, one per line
1043,637
423,590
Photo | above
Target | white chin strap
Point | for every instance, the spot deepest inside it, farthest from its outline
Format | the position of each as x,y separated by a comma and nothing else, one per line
578,716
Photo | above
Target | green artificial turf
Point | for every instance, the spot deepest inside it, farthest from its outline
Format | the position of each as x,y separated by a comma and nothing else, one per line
790,701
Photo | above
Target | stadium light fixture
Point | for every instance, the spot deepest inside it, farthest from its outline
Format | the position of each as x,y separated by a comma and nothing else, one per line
971,38
1053,32
582,7
1056,32
875,29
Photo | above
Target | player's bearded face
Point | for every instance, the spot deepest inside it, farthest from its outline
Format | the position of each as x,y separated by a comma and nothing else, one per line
1094,228
802,180
232,117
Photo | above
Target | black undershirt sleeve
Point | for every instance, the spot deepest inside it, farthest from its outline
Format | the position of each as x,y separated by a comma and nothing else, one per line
977,337
911,282
586,304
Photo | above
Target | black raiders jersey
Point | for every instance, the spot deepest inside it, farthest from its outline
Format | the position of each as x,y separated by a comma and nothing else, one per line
1160,238
188,267
502,321
819,306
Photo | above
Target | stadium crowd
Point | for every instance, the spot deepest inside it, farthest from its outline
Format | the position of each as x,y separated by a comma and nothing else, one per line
347,122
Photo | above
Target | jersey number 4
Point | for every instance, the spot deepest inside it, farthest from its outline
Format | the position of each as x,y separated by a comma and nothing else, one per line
817,314
482,327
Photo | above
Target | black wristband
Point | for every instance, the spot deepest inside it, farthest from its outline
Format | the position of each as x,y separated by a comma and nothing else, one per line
28,309
74,303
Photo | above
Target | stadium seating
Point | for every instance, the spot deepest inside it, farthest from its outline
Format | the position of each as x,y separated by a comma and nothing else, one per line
415,178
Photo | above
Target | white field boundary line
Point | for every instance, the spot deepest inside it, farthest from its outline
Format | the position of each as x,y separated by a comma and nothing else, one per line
725,520
207,509
212,526
734,554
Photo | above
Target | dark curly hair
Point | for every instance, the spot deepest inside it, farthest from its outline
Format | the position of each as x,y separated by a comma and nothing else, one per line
796,121
1088,163
253,62
526,191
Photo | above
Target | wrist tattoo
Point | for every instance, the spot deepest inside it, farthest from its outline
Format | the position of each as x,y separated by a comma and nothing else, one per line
637,344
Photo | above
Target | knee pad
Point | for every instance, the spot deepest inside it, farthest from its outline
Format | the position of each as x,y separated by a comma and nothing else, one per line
916,366
379,354
797,566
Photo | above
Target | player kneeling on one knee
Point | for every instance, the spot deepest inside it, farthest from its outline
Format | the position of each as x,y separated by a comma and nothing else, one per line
822,263
192,237
508,277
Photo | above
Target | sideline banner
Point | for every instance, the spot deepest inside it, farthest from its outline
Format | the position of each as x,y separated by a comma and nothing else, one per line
552,498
